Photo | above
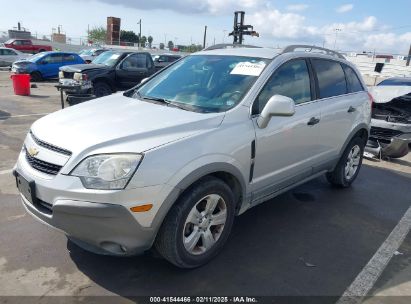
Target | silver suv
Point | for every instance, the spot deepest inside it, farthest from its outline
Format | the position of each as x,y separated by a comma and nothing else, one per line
171,162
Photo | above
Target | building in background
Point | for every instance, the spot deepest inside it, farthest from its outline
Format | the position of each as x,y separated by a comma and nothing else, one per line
113,31
19,33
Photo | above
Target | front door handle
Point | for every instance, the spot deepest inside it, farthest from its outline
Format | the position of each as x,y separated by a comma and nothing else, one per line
313,121
351,109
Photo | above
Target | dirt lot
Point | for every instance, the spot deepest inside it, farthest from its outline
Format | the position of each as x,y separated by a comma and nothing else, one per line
312,241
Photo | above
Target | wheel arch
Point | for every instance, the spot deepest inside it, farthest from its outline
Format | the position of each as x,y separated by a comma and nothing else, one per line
104,80
362,131
228,173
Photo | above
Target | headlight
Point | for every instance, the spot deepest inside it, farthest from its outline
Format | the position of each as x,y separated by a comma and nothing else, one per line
61,74
107,171
79,76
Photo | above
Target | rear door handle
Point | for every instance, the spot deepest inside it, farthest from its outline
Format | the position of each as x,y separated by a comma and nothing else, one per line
313,121
351,109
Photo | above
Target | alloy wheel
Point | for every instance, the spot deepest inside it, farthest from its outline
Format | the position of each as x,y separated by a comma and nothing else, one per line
353,162
204,224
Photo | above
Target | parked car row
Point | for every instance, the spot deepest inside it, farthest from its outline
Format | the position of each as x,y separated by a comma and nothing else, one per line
45,65
88,55
26,46
108,73
8,56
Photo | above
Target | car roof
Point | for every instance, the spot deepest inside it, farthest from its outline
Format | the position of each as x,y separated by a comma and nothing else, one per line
399,78
57,52
266,53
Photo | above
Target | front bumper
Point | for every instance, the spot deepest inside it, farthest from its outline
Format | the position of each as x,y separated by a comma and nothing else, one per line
99,228
97,220
388,139
71,86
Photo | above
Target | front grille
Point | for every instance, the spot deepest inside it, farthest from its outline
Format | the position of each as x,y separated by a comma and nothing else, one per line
68,75
49,146
384,134
41,165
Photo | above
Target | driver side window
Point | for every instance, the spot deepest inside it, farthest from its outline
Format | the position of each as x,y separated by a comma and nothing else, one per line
292,79
136,61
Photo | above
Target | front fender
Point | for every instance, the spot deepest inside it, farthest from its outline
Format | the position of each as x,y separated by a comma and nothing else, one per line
194,171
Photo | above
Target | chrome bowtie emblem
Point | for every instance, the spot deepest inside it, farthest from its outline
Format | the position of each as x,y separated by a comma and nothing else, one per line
33,151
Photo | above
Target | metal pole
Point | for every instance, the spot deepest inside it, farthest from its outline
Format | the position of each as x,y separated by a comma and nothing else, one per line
235,27
409,57
241,27
205,37
336,34
61,98
139,40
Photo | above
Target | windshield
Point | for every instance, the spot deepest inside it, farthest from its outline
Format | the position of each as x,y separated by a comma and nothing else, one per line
207,83
35,57
86,52
395,82
107,58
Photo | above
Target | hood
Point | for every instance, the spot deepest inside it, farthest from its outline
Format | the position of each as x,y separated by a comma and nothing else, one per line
121,123
392,104
383,94
22,62
83,67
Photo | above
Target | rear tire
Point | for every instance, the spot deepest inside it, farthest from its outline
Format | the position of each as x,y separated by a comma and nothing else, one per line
349,164
101,89
36,77
198,225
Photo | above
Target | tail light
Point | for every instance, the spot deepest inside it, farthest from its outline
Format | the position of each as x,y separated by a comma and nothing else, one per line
371,101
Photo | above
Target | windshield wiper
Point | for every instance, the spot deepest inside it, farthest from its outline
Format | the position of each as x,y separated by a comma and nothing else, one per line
165,101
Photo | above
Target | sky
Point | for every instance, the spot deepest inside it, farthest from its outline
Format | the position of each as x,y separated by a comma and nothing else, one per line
356,25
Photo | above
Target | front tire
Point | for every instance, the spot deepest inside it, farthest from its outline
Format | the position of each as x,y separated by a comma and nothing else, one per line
349,164
36,77
101,89
198,225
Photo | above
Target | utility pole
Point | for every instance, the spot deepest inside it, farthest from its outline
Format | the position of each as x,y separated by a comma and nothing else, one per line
205,37
409,57
139,38
239,29
336,34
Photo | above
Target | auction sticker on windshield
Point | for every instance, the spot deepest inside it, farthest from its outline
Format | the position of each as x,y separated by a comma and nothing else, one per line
248,68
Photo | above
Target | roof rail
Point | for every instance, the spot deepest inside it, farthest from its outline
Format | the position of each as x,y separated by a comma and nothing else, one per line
228,46
309,48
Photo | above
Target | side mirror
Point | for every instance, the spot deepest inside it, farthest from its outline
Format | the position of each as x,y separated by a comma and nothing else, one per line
277,105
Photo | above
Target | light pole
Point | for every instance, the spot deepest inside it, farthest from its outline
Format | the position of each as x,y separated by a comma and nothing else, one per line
139,38
336,34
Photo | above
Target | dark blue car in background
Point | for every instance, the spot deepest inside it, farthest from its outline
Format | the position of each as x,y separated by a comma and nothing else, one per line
45,65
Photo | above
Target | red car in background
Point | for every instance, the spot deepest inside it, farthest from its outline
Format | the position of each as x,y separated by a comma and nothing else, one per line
26,46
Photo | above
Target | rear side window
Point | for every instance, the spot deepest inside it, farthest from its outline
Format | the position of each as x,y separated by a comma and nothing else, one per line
69,57
292,79
53,58
331,78
354,84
